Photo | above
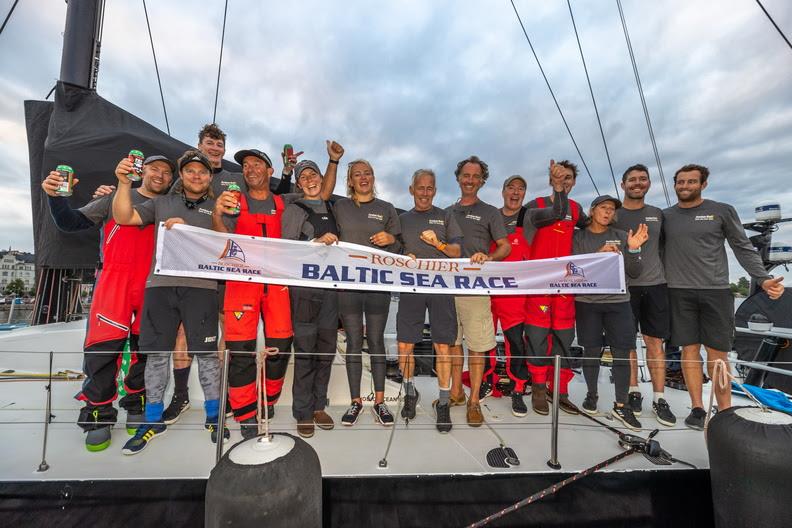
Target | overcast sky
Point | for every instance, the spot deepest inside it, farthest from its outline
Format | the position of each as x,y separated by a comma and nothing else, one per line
411,84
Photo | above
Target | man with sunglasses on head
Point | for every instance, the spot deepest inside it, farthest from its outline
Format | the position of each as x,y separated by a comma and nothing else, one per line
260,213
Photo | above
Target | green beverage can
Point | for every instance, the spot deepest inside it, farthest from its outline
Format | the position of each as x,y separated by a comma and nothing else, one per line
234,189
136,157
67,184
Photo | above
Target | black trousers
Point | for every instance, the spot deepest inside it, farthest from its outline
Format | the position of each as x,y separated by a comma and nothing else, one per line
315,325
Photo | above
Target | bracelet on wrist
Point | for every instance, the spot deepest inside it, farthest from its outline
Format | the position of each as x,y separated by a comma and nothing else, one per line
441,246
633,251
334,162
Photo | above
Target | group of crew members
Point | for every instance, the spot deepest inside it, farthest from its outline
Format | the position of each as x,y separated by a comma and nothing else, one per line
674,261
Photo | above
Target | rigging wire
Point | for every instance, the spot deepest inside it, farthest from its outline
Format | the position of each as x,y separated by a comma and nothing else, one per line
643,103
593,100
220,63
8,16
775,25
547,82
156,68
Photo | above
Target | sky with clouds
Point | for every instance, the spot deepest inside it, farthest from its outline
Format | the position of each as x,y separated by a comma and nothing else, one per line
414,84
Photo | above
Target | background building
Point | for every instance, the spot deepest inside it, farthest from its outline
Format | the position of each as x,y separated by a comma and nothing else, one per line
17,265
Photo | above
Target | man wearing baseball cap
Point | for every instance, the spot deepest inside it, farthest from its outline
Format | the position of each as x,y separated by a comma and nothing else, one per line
171,301
117,299
260,213
608,314
509,310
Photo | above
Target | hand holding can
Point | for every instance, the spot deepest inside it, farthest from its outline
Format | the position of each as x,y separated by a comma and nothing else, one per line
136,157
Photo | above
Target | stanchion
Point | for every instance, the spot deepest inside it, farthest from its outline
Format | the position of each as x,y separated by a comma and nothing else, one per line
553,462
222,416
43,466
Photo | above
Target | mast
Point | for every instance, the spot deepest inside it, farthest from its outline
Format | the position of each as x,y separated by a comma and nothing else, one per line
82,38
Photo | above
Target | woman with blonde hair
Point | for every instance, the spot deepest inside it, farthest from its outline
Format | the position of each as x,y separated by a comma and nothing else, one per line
366,220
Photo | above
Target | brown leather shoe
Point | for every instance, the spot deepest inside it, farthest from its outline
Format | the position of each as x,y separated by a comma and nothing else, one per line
474,416
539,399
323,420
453,402
305,428
564,403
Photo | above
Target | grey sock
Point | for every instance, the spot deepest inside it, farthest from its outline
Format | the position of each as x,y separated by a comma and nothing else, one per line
445,397
409,388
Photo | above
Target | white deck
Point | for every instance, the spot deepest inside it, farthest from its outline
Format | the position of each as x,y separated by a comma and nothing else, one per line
186,451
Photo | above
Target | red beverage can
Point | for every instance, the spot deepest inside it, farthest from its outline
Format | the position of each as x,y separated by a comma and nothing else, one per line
136,157
234,189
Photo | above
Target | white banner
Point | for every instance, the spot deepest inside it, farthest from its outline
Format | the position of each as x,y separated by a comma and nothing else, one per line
187,251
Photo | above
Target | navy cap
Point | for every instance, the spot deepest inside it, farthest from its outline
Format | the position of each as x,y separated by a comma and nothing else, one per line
242,154
606,198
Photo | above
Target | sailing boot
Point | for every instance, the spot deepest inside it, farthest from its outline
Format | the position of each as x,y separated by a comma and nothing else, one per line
97,422
539,399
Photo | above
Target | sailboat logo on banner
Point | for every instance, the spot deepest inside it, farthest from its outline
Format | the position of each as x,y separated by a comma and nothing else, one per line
574,271
232,251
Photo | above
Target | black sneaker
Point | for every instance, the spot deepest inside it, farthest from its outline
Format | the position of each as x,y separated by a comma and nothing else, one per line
179,404
485,390
626,416
443,416
635,401
408,411
144,434
695,419
590,404
519,409
352,414
382,414
392,371
211,426
663,413
249,428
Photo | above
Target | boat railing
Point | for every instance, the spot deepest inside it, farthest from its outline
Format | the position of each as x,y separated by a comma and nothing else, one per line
50,376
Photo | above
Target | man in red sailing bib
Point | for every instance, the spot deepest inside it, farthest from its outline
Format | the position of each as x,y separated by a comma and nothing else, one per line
259,214
550,319
117,301
509,310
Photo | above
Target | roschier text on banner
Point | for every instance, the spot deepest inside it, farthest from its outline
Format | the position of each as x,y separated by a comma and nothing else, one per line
188,251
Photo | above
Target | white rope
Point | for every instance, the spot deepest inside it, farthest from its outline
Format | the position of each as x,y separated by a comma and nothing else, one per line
722,378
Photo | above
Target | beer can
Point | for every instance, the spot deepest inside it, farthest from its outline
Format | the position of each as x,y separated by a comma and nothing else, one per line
67,173
234,189
136,157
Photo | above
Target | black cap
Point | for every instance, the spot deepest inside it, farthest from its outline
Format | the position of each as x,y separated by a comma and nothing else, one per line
606,198
242,154
159,157
196,156
306,164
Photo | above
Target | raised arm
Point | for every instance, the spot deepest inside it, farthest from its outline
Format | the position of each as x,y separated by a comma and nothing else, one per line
123,212
335,152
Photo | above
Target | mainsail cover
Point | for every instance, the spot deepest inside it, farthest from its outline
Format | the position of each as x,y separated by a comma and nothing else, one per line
87,132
